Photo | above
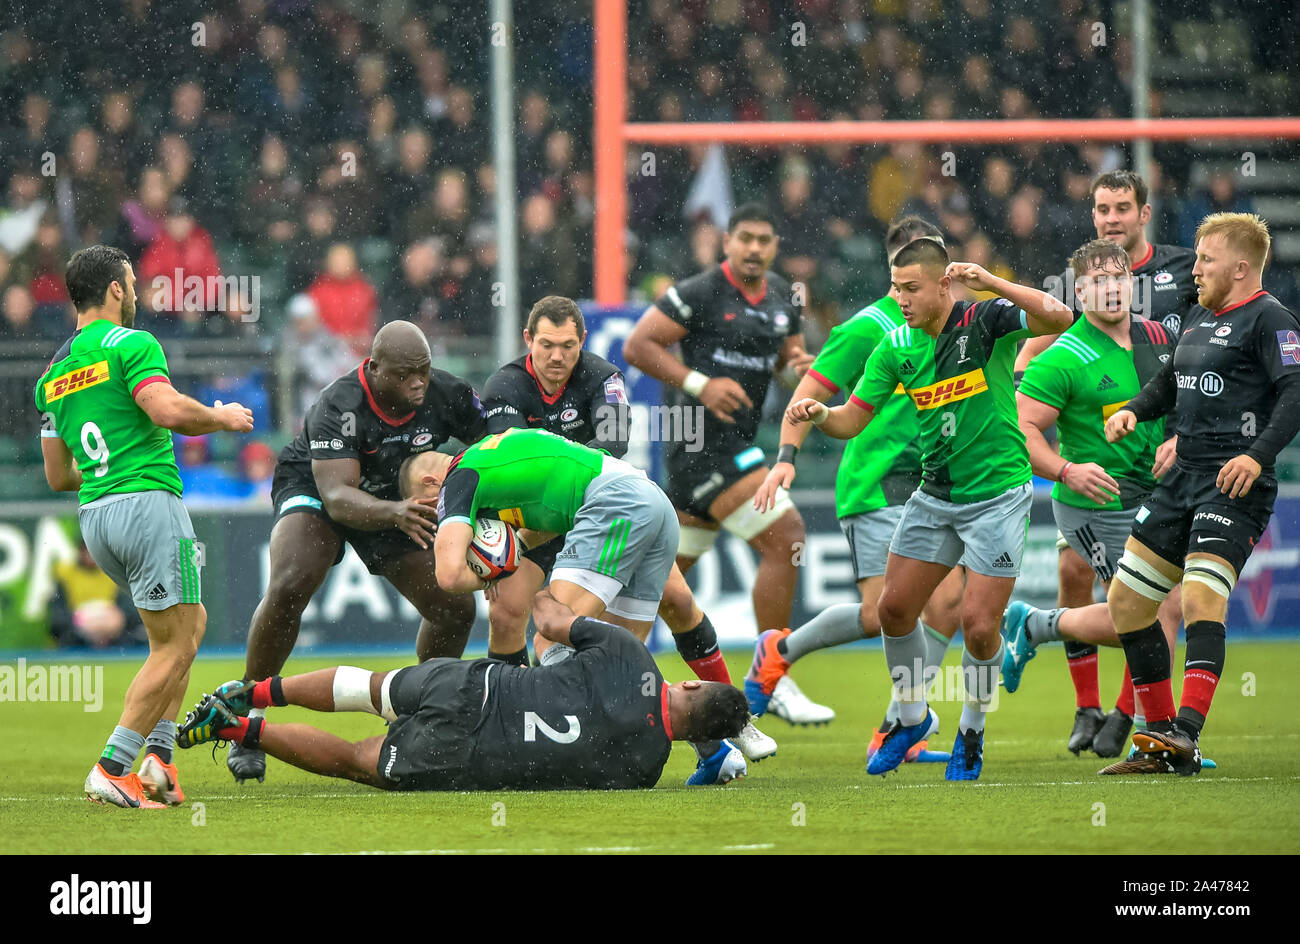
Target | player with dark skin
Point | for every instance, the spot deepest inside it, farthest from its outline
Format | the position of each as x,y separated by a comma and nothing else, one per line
750,247
304,547
687,707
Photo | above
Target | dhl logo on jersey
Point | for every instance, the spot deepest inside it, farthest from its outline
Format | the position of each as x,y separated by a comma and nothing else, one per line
76,380
1110,409
949,391
512,516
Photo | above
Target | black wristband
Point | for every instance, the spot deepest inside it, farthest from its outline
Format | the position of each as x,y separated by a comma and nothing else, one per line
787,453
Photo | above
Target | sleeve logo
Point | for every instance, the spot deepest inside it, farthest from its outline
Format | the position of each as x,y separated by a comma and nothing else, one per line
75,381
1288,345
615,392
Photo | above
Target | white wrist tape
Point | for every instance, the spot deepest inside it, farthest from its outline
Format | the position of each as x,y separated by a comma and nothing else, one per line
821,415
694,383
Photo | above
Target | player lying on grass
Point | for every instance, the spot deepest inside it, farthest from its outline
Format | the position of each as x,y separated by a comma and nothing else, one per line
620,532
596,715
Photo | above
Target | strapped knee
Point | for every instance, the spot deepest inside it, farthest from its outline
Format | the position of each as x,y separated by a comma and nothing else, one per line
1216,575
1142,578
352,689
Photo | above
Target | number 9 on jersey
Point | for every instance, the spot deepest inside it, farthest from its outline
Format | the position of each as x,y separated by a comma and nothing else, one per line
495,550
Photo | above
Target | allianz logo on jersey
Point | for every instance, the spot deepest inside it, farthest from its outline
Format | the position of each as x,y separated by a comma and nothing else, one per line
743,361
949,391
76,380
1209,383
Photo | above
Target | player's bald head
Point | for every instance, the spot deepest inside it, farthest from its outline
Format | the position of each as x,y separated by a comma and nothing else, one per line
399,343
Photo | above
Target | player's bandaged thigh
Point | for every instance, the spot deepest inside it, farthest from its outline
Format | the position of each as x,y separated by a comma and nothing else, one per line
1216,575
352,689
695,541
747,523
1142,578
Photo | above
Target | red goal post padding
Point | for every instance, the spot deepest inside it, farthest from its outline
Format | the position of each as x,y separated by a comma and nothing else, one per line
613,134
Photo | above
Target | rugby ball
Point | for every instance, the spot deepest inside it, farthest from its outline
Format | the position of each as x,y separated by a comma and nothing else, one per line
495,550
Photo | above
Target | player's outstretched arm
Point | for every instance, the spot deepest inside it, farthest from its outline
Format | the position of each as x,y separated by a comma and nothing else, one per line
171,409
1045,314
61,470
339,482
450,548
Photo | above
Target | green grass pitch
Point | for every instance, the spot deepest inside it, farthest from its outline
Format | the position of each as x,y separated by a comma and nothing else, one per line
813,796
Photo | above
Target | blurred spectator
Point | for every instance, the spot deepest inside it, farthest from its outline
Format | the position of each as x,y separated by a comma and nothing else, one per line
179,270
41,266
142,216
19,322
88,609
88,192
1032,251
1220,195
21,217
352,184
318,357
272,202
546,263
445,212
203,481
461,139
345,299
978,248
319,233
479,297
411,179
414,294
256,469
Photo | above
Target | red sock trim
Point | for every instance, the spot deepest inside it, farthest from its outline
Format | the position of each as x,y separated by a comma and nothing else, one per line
711,669
236,733
1198,689
1083,672
1127,701
262,694
1157,700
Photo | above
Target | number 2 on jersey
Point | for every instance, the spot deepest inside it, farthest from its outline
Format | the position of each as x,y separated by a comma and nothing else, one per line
533,723
92,440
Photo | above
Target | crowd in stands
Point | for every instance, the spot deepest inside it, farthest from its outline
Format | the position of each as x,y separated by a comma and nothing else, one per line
341,154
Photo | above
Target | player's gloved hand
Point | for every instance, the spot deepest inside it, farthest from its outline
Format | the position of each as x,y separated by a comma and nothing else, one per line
1120,425
970,275
780,475
1091,481
415,517
1237,476
234,416
807,410
1166,453
723,396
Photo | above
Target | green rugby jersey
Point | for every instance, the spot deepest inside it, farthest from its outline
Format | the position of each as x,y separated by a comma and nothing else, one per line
882,465
87,398
529,478
971,445
1088,377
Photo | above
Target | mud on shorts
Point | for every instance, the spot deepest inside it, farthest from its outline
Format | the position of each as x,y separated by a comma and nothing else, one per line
145,542
293,492
623,542
988,537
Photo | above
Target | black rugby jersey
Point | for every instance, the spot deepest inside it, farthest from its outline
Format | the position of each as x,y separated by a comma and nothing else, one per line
592,408
597,721
731,334
1223,379
346,422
